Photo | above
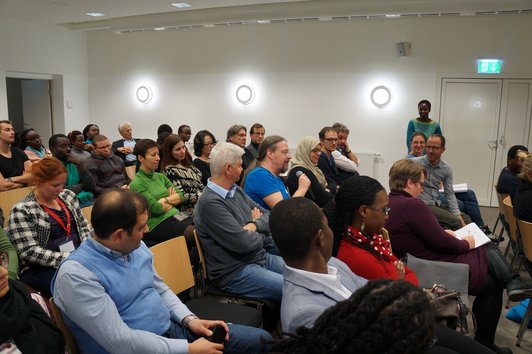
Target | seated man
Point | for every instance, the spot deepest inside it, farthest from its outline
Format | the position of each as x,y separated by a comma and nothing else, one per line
256,135
508,182
346,161
313,280
108,170
438,173
123,148
236,134
234,232
112,299
326,163
263,183
15,165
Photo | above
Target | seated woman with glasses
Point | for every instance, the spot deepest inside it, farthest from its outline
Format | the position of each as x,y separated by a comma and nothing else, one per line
31,143
414,229
165,220
204,141
46,225
305,161
417,145
357,216
176,164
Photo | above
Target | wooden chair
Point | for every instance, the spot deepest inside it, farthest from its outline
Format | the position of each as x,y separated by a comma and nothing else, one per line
500,217
130,170
10,198
171,261
72,348
87,211
514,240
525,229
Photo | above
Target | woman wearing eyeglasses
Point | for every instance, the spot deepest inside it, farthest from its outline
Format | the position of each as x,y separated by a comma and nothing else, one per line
357,216
32,145
305,161
204,141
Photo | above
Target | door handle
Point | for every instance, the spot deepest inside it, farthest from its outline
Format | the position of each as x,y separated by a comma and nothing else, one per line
492,144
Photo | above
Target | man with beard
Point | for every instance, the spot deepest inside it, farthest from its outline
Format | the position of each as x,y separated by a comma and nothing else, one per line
263,183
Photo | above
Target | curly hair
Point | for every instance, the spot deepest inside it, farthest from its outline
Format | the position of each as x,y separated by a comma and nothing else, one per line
353,193
384,316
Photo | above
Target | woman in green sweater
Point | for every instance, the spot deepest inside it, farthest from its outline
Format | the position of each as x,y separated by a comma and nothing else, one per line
165,220
7,250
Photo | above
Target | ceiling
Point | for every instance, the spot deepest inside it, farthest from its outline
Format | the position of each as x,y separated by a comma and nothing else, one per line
141,15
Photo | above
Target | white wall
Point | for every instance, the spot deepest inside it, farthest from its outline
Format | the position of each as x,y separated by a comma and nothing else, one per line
51,50
307,75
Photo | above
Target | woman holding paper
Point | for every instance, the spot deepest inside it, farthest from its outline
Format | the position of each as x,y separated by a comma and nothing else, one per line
414,229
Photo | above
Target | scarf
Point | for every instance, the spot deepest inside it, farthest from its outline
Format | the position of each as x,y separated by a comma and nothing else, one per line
376,243
302,158
40,153
24,321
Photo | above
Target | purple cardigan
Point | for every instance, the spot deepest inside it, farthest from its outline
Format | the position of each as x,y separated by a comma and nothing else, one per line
414,229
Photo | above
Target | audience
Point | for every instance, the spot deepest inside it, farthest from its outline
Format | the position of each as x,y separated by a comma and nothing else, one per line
357,216
304,162
165,220
204,141
89,132
107,170
31,143
414,229
522,201
184,132
178,168
236,134
328,139
15,166
46,225
123,148
417,145
77,147
263,183
79,180
24,325
345,159
164,128
145,316
422,123
256,135
234,232
508,182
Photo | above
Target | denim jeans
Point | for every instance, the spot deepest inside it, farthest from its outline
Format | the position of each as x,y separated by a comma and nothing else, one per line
260,282
468,203
242,339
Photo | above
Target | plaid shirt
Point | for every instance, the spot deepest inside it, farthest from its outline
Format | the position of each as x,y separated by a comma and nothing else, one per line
29,228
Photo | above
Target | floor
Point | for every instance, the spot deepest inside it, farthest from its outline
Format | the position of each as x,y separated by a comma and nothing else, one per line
507,331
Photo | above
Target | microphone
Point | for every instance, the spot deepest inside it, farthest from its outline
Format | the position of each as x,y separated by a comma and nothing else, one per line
309,191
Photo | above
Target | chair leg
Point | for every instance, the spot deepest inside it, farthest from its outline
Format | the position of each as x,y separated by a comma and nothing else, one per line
520,264
524,324
507,250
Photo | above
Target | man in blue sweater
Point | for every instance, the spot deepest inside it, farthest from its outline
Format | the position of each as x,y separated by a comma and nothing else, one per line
113,301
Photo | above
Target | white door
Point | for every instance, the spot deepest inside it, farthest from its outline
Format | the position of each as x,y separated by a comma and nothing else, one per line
469,118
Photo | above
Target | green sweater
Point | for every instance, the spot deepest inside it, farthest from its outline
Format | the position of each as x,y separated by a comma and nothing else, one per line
154,186
6,246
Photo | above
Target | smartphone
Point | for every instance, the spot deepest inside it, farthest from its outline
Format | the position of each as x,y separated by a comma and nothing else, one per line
218,334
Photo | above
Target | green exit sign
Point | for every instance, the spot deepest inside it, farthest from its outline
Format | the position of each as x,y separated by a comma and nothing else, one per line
489,66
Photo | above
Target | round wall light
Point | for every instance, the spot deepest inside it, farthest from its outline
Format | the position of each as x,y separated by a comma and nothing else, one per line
245,94
144,94
380,96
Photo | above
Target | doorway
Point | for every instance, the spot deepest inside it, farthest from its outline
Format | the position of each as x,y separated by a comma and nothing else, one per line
481,119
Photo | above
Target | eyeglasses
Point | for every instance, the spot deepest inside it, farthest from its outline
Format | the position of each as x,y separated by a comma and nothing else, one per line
103,147
211,143
4,260
316,150
432,147
385,210
35,138
330,140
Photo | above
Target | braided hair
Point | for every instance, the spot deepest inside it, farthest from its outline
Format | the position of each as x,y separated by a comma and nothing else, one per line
353,193
384,316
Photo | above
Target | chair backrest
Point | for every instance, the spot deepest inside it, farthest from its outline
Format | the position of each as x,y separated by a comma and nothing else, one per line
58,317
10,198
130,170
510,218
87,211
525,229
172,263
200,254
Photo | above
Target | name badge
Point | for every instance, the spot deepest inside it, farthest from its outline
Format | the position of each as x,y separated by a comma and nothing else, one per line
180,216
67,247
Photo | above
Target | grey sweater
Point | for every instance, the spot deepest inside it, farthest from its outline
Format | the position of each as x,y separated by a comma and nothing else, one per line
228,247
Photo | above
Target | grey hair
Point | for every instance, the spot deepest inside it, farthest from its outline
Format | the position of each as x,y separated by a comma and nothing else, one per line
339,127
234,129
123,125
222,154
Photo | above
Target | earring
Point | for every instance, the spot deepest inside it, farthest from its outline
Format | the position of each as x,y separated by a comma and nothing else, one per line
363,226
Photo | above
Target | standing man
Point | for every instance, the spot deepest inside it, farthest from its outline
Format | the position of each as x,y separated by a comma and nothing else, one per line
107,170
508,182
328,139
113,301
123,148
15,166
234,232
256,135
345,159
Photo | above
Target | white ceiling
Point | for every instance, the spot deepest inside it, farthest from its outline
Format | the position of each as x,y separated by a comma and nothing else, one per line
146,14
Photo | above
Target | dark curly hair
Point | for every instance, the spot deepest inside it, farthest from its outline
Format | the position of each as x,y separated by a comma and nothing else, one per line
384,316
353,193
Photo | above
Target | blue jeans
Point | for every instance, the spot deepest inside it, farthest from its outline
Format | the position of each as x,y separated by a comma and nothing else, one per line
468,203
260,282
242,339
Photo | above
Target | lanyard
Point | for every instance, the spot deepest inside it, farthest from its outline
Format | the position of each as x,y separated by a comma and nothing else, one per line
58,219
